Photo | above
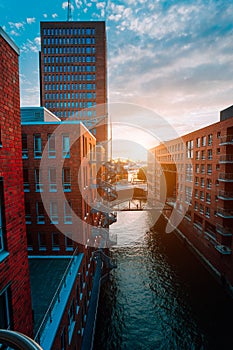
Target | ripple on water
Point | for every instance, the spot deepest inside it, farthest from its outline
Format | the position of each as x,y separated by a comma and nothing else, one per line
153,300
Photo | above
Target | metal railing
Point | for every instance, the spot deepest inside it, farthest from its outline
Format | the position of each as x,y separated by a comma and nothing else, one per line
17,341
225,213
226,139
226,177
56,298
226,158
226,195
223,230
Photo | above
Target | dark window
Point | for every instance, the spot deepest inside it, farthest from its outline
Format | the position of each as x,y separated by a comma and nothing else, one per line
5,321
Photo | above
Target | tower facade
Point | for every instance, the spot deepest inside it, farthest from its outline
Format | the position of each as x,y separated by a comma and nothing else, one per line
73,73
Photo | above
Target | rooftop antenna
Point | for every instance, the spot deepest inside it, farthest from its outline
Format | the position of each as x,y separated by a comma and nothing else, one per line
69,11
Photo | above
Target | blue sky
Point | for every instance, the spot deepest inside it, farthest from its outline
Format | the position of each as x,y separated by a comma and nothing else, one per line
172,57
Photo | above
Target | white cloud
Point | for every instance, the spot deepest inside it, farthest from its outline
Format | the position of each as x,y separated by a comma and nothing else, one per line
78,3
17,25
31,46
31,20
45,15
54,15
37,40
100,5
65,5
14,33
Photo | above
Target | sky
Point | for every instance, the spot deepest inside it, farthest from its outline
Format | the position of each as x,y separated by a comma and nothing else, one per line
170,59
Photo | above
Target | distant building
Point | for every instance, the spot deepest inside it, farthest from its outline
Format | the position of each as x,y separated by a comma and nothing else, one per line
73,73
15,299
195,172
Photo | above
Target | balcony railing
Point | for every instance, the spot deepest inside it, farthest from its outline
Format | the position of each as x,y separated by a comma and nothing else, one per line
228,196
225,213
226,140
226,158
226,177
223,230
15,340
223,249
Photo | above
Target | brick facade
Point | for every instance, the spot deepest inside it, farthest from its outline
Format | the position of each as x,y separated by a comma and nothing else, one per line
14,273
194,174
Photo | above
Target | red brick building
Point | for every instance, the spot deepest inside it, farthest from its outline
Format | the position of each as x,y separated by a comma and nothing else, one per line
73,73
15,299
194,175
58,173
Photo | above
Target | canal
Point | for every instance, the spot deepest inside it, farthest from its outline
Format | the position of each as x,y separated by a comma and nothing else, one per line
160,296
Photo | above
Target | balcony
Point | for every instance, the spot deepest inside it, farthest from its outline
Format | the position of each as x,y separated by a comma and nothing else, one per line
225,213
226,177
226,140
226,196
223,249
226,158
224,231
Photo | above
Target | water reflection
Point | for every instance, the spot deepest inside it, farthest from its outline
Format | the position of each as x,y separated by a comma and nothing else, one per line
160,296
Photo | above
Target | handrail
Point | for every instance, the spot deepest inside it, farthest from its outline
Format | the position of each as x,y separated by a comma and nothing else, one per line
56,297
17,340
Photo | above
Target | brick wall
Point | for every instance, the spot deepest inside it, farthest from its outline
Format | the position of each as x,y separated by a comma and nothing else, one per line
14,268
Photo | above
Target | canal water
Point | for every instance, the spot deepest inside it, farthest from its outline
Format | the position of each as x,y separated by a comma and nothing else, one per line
160,296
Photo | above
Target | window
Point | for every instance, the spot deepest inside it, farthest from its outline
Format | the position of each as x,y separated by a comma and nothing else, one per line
208,197
52,180
202,195
37,146
218,134
209,154
29,240
38,184
207,212
218,151
202,155
202,182
28,213
203,141
209,169
5,321
71,320
54,212
196,206
69,242
196,181
209,184
203,169
63,339
210,140
40,213
25,180
67,213
2,216
65,146
198,142
55,241
51,146
196,193
42,240
66,179
201,210
197,155
24,146
197,168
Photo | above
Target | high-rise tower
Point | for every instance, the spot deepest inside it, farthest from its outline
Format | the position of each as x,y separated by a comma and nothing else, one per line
73,73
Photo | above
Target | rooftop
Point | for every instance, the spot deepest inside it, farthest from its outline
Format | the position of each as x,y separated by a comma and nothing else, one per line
45,276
